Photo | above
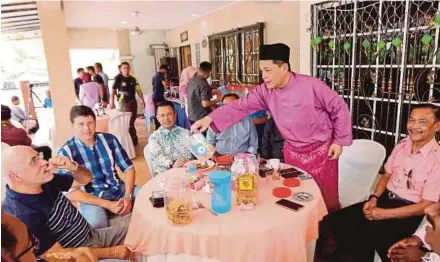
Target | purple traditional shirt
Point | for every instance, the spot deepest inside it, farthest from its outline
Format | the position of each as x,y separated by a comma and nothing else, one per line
305,111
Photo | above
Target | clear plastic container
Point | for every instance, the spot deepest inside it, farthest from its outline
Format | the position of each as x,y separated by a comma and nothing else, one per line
245,170
178,201
199,147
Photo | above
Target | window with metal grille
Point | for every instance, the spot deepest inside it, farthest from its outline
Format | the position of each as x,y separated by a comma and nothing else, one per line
234,55
197,47
382,57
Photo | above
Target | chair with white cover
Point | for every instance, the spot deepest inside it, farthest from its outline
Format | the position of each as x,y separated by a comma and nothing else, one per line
359,165
118,126
149,161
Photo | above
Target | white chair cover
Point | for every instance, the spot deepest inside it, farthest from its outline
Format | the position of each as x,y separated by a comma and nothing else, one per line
118,126
149,162
359,165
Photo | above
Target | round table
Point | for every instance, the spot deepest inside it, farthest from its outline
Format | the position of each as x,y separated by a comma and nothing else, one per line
266,233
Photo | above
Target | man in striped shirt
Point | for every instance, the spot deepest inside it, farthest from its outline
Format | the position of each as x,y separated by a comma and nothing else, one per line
106,195
34,194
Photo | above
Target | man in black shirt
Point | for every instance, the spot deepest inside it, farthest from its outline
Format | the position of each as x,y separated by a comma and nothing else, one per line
200,94
273,142
98,79
78,81
158,82
126,87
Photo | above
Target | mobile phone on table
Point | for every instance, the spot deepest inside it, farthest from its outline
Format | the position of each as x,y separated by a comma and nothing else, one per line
290,172
289,204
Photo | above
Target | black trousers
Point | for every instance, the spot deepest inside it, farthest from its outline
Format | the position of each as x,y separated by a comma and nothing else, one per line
346,235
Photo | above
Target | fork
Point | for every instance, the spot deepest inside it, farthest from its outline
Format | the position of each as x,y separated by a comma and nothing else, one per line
203,207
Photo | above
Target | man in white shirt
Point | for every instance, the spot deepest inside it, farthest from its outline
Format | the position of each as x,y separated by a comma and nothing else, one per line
424,245
89,92
104,76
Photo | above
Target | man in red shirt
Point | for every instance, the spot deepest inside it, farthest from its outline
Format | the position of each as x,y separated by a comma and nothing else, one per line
14,136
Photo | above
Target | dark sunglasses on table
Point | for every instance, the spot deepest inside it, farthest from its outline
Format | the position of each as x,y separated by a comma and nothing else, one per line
409,184
34,243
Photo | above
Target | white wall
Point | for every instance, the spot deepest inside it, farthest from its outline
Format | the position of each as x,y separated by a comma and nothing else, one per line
142,62
82,38
281,25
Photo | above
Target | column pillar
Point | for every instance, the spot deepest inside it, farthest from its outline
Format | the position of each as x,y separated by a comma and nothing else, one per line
56,48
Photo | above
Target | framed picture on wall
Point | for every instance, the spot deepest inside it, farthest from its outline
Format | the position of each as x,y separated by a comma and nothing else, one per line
184,36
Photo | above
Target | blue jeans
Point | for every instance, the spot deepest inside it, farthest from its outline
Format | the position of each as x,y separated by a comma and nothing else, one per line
98,217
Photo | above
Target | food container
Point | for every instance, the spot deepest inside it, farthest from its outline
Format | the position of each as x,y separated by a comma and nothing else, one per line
245,171
178,201
224,162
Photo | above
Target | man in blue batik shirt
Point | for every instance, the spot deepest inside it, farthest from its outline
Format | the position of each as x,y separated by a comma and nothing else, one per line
106,195
242,137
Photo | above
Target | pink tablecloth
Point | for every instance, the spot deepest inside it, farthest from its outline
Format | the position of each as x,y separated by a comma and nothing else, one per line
266,233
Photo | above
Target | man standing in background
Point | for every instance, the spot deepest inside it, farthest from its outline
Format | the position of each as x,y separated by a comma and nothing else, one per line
98,79
159,84
126,87
104,76
78,81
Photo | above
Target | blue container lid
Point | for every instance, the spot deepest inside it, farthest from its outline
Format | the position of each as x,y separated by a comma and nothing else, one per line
220,176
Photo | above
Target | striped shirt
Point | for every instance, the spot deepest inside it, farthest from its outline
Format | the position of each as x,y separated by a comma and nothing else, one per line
49,216
101,160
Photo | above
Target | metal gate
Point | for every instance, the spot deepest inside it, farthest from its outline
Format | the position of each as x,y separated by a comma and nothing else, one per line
382,57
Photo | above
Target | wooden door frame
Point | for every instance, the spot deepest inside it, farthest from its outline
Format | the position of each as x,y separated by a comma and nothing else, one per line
181,55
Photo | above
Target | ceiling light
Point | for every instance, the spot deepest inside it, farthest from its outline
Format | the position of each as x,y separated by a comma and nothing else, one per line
124,22
194,15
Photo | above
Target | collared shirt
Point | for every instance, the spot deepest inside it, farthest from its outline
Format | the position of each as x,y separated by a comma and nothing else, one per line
424,167
14,136
198,91
18,114
126,87
306,111
89,94
242,137
168,146
101,160
49,216
47,102
104,77
158,88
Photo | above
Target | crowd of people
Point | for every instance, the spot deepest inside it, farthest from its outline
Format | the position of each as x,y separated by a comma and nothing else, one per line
308,126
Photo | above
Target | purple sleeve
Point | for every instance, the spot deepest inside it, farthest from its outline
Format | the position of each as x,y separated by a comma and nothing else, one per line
338,111
227,115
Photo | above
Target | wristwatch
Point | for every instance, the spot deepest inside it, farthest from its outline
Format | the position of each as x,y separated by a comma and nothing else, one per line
129,196
373,196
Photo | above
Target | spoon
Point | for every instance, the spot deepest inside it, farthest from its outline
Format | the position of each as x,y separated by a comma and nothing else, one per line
200,205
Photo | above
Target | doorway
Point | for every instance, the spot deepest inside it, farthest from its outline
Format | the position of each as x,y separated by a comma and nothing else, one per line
185,56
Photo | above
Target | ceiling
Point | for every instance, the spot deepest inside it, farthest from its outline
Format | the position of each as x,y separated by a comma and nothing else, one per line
19,16
153,15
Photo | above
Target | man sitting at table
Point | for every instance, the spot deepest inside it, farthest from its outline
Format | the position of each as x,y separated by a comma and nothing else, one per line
242,137
29,124
106,195
15,136
424,245
35,195
394,211
167,144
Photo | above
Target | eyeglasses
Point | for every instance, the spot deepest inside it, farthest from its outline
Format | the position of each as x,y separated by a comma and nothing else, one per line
34,243
409,184
35,158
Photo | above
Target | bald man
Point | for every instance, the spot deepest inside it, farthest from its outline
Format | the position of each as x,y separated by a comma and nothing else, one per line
34,194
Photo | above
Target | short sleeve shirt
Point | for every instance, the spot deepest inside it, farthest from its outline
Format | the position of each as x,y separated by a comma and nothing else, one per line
415,176
49,216
198,90
126,87
159,89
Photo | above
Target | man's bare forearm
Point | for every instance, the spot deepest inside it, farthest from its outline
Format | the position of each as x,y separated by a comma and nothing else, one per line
130,177
81,196
382,184
411,210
